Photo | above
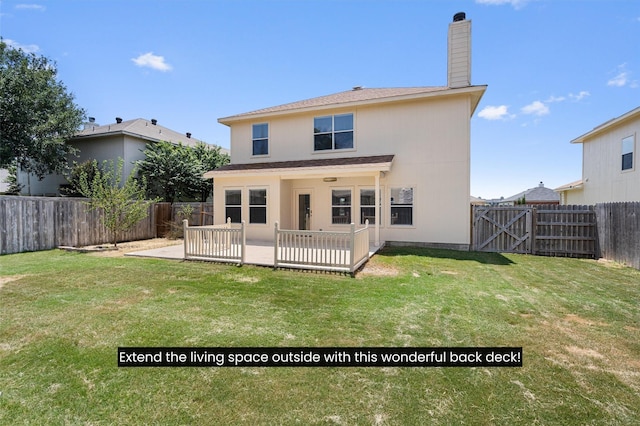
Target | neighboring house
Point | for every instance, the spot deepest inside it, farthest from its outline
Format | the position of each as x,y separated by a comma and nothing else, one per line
122,139
397,157
537,195
4,186
610,172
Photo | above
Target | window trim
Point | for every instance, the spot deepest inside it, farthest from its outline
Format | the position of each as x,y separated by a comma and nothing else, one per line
253,140
261,206
413,206
632,138
350,206
380,209
232,205
333,133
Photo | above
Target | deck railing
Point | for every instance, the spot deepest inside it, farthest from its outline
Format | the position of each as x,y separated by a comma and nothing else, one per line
322,250
223,243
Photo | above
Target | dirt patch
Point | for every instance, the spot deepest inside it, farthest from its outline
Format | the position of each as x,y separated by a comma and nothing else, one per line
583,321
370,268
8,279
108,250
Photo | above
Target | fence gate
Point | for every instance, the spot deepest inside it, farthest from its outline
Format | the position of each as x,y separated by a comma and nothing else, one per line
502,229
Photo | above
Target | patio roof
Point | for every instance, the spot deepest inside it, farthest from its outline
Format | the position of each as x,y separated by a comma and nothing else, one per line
369,164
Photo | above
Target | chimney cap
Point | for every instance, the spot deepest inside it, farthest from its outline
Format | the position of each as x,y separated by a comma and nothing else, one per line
154,121
118,120
460,16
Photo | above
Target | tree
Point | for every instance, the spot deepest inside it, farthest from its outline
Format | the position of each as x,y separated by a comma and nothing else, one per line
14,187
123,206
174,172
87,168
37,114
210,158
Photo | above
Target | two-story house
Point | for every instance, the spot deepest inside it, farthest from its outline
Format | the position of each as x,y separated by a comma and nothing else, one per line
609,169
397,157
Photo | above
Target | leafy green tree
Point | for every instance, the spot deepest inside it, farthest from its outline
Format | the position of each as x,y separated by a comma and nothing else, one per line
88,168
210,158
37,114
12,179
174,172
123,206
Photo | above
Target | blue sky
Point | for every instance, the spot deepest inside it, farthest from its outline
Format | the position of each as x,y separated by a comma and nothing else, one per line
554,68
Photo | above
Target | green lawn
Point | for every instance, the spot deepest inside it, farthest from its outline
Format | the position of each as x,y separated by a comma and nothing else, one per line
63,315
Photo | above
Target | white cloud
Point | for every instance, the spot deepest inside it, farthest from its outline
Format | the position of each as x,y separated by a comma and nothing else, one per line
536,108
494,112
623,78
555,99
27,48
517,4
580,96
38,7
619,80
152,61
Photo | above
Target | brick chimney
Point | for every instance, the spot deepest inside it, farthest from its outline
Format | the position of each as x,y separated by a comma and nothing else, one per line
459,52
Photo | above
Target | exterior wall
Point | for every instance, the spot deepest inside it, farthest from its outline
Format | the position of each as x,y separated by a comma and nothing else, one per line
430,140
604,180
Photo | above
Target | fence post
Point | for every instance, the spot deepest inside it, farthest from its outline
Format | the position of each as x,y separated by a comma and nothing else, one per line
276,245
243,247
185,227
352,241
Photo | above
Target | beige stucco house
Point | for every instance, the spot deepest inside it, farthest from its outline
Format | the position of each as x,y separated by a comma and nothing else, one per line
610,171
126,139
397,157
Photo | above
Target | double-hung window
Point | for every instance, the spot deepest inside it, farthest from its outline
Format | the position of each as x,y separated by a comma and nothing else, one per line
627,153
260,139
401,206
233,205
333,132
341,206
368,206
257,206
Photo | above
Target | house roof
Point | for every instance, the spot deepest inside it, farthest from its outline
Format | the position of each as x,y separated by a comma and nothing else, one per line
323,166
570,186
537,194
138,127
633,114
359,96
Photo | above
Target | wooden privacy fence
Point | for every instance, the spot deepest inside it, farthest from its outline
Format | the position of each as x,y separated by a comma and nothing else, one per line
547,230
167,214
44,223
619,232
222,243
322,250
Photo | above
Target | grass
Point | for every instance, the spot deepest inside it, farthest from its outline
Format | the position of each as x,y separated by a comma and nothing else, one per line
63,315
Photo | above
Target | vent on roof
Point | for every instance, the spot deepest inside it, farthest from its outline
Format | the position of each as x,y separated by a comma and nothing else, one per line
188,135
118,120
460,16
92,119
154,121
357,88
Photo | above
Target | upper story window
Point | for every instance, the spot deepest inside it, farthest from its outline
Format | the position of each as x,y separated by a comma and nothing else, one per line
627,153
333,132
260,139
